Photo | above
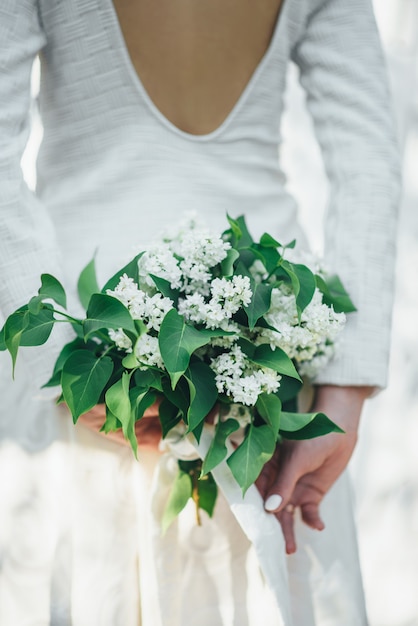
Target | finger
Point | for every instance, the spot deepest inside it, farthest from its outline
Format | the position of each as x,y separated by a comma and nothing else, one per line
311,517
267,476
281,490
287,523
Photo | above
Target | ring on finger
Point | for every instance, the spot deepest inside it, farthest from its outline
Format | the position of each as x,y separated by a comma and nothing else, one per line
290,508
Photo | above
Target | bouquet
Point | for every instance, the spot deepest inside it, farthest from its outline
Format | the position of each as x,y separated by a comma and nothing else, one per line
202,323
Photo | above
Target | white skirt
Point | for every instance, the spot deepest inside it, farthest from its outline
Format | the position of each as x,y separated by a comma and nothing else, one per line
80,539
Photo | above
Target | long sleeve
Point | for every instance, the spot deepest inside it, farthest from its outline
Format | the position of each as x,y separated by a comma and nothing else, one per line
27,239
343,72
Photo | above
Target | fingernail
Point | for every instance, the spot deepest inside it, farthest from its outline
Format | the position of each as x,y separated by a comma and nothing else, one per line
273,502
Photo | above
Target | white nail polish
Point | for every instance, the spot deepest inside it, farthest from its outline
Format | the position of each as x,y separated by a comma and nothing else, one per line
273,502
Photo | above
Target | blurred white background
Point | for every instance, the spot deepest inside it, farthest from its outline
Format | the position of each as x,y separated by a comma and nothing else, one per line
385,466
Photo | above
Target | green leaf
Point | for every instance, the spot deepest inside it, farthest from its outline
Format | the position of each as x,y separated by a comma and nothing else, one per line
84,377
263,355
269,242
235,229
303,284
3,346
131,270
242,269
227,265
218,450
262,323
241,237
260,302
87,283
197,431
13,330
177,500
148,378
245,240
118,401
180,396
107,312
208,492
334,294
54,381
267,255
247,461
130,361
111,424
289,388
140,402
69,348
35,304
165,288
306,425
307,285
178,340
38,328
203,392
269,407
169,416
52,288
290,245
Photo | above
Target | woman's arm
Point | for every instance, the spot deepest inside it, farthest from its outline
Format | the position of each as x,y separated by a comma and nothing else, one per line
343,72
27,239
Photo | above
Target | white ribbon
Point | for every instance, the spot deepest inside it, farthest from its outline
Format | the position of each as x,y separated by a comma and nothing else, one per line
261,528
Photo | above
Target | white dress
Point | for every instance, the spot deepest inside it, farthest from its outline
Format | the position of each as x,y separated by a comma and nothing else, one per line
79,533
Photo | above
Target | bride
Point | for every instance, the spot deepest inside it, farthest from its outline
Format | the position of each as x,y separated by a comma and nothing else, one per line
151,109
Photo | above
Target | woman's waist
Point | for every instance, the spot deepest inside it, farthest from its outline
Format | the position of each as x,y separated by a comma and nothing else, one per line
122,225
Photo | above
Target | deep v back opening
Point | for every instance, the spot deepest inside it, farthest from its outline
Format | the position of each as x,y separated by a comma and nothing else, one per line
127,63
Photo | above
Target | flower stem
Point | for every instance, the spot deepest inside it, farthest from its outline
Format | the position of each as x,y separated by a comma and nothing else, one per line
195,496
73,320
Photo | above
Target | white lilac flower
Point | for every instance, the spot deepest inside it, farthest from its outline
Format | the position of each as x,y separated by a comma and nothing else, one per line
214,315
244,390
137,305
160,261
232,293
230,363
196,278
193,308
147,351
125,290
121,340
201,247
240,380
320,325
128,292
156,308
199,251
269,379
311,368
227,297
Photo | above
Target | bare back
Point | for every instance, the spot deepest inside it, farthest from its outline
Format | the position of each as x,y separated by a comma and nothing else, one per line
195,58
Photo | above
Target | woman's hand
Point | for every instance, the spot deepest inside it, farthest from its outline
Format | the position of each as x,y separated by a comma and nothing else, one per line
147,429
301,472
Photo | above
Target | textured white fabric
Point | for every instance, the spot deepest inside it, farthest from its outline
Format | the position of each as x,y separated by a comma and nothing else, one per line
106,146
112,171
